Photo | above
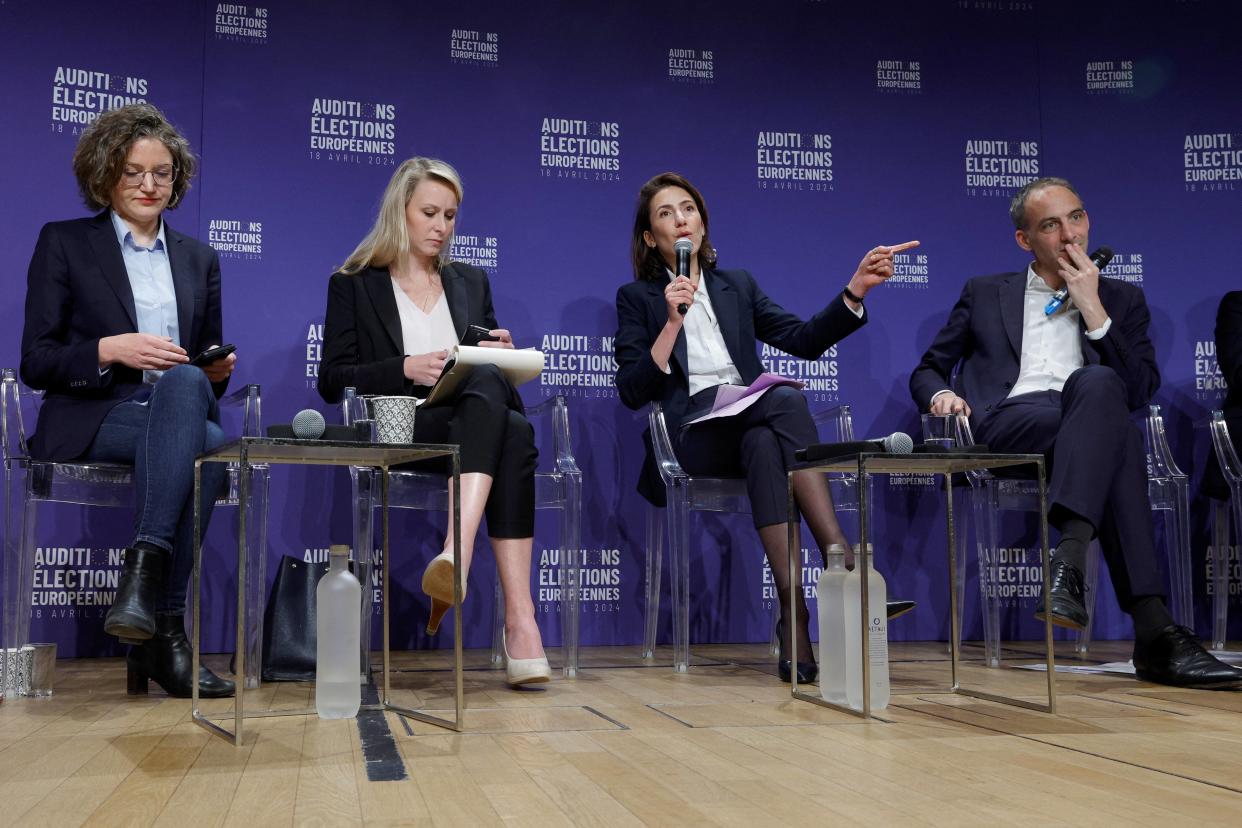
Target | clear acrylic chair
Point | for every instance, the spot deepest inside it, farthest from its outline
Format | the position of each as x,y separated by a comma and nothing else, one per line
1231,470
685,494
29,483
1168,490
558,487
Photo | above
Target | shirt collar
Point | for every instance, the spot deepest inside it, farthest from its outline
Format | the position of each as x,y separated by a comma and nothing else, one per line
1035,282
125,236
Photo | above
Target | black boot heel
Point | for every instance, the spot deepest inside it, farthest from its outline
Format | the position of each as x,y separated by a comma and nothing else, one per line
135,680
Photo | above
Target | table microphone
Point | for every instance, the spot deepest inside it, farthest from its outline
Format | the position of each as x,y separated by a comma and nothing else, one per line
308,424
683,248
896,443
1100,258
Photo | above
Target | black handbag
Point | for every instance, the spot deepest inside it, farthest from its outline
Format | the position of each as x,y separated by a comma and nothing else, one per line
289,619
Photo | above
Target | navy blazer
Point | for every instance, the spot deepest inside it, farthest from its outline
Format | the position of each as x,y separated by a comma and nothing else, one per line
77,292
982,342
362,344
746,316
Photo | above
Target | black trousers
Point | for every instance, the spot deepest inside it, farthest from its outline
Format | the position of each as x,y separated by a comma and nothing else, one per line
495,439
757,444
1098,468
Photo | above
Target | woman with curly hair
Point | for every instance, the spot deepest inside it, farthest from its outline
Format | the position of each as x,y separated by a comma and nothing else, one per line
117,305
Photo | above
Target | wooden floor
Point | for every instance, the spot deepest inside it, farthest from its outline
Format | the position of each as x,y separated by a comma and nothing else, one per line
627,744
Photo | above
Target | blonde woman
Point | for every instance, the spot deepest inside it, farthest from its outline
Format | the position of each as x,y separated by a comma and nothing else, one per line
395,308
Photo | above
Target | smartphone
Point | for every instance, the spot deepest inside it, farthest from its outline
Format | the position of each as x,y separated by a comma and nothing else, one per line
212,354
476,334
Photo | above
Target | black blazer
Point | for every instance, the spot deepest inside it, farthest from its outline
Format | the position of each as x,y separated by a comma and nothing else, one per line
362,329
78,292
746,316
1229,356
983,341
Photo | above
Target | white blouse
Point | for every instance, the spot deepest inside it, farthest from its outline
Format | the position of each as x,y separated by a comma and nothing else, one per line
423,333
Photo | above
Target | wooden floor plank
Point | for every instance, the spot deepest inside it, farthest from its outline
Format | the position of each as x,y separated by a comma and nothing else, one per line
633,743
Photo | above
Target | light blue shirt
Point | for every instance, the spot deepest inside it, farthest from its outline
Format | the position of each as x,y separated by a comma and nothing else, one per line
150,279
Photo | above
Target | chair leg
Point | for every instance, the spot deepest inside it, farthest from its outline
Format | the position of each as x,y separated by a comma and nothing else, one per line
651,579
1220,573
363,484
571,569
498,622
1177,544
23,580
987,530
1091,583
679,573
256,575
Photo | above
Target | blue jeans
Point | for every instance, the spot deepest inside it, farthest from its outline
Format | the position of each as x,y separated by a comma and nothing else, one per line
160,438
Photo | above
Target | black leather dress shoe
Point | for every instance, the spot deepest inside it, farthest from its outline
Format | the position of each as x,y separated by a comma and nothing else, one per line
897,609
1175,657
167,659
1065,604
132,616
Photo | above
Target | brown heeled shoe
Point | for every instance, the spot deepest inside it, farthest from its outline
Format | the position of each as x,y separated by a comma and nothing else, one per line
438,585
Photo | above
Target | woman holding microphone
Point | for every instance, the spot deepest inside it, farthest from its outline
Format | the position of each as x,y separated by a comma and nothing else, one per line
680,338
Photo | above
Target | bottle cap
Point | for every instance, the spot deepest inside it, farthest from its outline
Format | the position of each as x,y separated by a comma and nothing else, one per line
338,549
835,549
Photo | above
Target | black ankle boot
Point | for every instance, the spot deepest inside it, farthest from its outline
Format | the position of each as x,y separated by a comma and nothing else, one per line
132,617
167,659
807,670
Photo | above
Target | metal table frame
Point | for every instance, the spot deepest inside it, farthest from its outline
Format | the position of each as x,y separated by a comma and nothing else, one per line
942,463
266,450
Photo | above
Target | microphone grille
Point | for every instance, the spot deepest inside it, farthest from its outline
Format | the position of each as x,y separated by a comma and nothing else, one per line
308,424
683,244
898,443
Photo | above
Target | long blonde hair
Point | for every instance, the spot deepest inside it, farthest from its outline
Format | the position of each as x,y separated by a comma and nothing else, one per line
389,240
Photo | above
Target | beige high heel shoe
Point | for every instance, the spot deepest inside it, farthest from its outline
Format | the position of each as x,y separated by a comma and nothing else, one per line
519,671
438,585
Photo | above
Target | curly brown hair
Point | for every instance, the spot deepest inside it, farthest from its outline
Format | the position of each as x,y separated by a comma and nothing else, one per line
104,146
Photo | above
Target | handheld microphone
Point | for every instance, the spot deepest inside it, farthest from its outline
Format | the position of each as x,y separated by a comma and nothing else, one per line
683,247
308,424
896,443
1100,258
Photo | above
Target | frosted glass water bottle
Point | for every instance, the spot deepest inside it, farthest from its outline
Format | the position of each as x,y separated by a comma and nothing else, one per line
840,635
834,645
338,599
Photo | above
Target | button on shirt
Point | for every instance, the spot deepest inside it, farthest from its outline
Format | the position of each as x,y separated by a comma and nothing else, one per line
709,361
150,279
1051,346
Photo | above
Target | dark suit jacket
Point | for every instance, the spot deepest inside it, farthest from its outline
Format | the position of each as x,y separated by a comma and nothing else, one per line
78,292
746,315
983,341
1229,355
362,329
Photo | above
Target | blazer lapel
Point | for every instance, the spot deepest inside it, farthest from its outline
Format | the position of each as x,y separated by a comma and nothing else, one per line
108,254
1012,300
724,304
183,284
458,302
379,287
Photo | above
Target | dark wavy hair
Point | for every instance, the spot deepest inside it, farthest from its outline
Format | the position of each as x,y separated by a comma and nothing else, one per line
648,266
105,144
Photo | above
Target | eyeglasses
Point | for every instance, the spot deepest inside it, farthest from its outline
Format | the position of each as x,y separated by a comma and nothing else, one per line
162,176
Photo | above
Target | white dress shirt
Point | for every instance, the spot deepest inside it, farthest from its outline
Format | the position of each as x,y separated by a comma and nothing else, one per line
422,333
1051,347
151,281
709,361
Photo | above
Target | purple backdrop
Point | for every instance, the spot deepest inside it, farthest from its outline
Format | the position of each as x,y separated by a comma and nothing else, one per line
913,120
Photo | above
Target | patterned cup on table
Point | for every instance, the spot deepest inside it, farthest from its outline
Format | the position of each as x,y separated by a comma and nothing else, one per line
394,419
